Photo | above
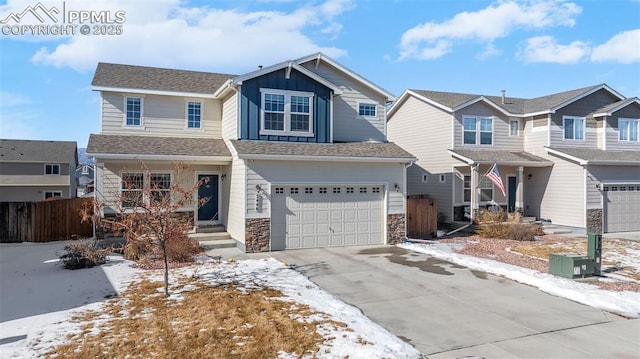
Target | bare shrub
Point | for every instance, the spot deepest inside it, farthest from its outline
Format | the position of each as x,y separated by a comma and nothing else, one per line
524,231
181,248
83,254
491,224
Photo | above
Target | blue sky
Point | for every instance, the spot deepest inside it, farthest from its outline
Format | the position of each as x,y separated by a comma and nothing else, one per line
528,48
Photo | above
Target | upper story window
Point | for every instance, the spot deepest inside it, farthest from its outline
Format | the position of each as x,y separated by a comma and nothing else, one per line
573,128
52,194
194,114
286,113
52,169
628,130
133,111
477,130
367,109
514,128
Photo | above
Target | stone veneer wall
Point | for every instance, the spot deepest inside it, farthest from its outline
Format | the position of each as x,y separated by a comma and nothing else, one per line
257,235
395,228
594,221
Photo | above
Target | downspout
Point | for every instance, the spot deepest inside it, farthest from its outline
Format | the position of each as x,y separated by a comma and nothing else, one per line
95,198
404,199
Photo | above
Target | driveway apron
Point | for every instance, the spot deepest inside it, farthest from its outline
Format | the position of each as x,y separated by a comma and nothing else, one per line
449,311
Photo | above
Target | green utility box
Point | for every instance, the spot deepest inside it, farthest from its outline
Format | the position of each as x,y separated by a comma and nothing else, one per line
570,265
594,251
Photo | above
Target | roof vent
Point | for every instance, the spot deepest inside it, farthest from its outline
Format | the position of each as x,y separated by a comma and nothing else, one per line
503,92
259,67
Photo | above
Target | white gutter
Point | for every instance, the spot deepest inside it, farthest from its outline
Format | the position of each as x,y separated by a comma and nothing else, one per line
117,156
152,92
325,158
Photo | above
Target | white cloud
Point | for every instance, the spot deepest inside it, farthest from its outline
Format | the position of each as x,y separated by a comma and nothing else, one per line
547,49
15,115
623,48
169,33
497,20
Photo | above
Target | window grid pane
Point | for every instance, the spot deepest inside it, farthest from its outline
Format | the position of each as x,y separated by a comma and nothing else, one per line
133,111
193,114
579,129
367,109
274,112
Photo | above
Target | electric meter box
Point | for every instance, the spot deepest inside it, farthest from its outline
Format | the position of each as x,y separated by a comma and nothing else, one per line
570,265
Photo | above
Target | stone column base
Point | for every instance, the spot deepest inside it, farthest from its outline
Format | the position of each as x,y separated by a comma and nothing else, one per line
395,229
257,235
594,221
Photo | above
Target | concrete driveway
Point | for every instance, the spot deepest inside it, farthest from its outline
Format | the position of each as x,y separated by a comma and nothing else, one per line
449,311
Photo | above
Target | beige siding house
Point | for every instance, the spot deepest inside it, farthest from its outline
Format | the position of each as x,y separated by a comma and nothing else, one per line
297,151
572,158
32,171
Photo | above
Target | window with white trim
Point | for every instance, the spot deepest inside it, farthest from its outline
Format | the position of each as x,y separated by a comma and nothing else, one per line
477,130
159,186
628,129
573,128
425,178
131,189
286,112
51,169
133,111
486,189
514,128
194,114
52,194
367,109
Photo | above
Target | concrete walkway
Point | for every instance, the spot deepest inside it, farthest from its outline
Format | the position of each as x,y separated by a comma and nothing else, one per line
449,311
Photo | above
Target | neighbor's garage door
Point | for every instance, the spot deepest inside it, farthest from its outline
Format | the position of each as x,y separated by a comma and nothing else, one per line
622,208
326,216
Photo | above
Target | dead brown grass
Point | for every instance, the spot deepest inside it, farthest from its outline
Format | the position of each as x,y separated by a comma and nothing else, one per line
207,322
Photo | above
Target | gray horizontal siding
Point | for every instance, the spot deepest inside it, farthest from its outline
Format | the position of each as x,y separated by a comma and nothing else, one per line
501,138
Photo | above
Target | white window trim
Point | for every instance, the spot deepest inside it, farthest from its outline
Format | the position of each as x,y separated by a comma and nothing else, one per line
145,182
518,128
584,128
44,170
44,194
287,113
637,135
186,114
480,188
124,113
375,105
425,178
443,179
477,131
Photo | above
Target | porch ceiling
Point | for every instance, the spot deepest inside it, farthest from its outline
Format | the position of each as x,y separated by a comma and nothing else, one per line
508,158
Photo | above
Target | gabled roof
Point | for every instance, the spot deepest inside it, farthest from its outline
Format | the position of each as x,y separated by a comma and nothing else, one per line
451,101
319,56
592,156
350,151
608,110
132,78
501,157
38,151
119,146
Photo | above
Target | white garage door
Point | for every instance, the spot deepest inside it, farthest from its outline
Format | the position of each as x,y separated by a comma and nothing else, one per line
326,216
622,208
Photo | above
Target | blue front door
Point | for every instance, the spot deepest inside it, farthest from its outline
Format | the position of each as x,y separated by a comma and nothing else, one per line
209,210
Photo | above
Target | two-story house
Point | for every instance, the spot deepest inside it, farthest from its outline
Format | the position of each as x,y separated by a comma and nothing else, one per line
572,158
32,171
296,153
85,180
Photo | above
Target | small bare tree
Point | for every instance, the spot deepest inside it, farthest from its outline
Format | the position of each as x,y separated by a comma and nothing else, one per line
146,210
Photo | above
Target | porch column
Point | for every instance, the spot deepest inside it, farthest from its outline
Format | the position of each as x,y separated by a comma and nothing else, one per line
520,189
475,191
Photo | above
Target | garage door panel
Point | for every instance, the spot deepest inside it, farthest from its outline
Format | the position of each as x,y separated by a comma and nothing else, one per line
320,216
622,208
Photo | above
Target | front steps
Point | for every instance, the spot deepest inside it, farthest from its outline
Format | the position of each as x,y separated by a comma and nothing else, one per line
549,228
212,237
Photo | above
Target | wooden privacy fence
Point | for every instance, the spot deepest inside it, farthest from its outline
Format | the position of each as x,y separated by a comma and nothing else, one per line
422,217
43,221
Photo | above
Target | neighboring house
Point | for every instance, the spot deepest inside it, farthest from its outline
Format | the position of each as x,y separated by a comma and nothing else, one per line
84,180
37,170
571,157
296,152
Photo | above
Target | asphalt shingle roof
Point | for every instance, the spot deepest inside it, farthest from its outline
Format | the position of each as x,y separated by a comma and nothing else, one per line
500,156
38,151
148,145
154,78
350,149
590,154
511,104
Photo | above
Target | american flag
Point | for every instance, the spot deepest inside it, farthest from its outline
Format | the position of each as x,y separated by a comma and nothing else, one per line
494,176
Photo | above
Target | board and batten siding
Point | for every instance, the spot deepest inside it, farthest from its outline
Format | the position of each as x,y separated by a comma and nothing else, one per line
230,117
580,108
161,116
251,102
268,174
612,132
236,177
501,138
425,131
348,124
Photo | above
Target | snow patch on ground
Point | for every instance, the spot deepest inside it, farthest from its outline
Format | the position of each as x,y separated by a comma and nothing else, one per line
625,303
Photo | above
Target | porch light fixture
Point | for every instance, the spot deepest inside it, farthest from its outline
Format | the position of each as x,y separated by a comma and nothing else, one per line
258,188
396,187
223,176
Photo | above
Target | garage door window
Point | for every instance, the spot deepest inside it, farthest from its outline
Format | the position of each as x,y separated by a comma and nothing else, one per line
336,190
294,190
349,189
322,190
